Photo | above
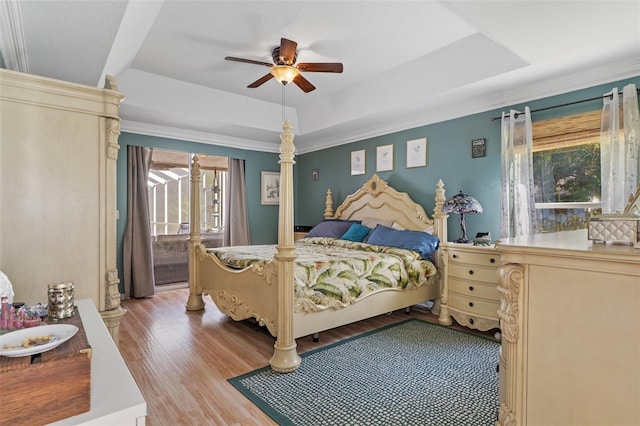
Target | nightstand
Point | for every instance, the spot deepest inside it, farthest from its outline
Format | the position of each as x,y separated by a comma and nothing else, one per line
300,231
470,286
298,235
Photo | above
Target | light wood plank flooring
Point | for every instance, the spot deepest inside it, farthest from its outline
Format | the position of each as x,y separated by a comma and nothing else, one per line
181,360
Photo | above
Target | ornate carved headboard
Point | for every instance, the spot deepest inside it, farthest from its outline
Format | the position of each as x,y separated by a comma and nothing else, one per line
376,199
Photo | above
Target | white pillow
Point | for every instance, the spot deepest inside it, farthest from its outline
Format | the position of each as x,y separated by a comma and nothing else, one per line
396,225
429,229
371,222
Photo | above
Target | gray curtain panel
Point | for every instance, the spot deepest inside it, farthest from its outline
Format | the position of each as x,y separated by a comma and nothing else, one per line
236,226
137,252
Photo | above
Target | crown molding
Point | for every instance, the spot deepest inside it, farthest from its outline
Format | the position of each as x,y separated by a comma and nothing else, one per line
12,44
196,136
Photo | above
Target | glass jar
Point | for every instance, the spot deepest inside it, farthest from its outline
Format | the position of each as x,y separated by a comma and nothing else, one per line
61,302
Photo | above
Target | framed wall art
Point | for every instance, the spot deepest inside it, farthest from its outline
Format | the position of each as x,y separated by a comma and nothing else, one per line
417,153
357,162
479,148
384,158
270,188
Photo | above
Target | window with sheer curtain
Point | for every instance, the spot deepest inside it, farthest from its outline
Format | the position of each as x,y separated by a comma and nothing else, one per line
566,167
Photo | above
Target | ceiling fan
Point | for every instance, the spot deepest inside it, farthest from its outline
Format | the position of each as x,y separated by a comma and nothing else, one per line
284,67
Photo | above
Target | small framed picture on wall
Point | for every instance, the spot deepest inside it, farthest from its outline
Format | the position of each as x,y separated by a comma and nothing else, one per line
479,148
357,162
270,188
417,153
384,158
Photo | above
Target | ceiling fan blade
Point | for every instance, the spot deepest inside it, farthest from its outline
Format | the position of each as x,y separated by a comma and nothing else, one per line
304,84
288,51
262,80
248,61
320,67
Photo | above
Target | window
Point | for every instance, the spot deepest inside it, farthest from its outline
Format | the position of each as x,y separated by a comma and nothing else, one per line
168,187
213,200
566,169
168,199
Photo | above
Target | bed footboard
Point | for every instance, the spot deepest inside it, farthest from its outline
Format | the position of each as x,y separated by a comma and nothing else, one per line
239,293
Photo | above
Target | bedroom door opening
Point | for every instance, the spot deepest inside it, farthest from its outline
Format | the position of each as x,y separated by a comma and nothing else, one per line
168,190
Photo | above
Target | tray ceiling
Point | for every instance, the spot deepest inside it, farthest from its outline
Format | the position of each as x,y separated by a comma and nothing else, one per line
406,63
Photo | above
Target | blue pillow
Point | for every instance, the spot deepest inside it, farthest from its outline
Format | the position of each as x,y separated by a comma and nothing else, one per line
418,241
330,228
356,232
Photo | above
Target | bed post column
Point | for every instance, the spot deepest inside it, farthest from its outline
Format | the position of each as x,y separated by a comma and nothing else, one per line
439,216
440,219
195,301
328,205
285,358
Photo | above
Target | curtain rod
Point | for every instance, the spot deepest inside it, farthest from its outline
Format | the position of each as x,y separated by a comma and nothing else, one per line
563,105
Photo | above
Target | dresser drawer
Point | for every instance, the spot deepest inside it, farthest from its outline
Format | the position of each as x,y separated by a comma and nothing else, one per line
474,289
474,306
473,272
488,259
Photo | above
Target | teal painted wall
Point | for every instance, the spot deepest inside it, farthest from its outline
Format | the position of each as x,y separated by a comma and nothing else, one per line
449,159
263,219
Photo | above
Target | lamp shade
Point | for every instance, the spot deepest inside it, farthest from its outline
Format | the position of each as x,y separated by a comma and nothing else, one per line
462,203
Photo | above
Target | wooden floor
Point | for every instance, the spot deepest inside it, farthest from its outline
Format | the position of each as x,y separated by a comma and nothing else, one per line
181,360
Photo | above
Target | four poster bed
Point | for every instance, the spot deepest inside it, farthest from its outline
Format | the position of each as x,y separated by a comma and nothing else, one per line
322,281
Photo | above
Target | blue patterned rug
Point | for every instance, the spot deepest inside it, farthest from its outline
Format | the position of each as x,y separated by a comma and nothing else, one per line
410,373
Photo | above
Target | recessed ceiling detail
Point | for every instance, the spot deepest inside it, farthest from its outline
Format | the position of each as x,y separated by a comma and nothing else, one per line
407,63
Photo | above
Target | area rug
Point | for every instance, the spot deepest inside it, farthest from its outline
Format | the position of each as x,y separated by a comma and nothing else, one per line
410,373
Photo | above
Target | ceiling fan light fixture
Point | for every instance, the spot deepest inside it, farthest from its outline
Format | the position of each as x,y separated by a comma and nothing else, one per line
284,73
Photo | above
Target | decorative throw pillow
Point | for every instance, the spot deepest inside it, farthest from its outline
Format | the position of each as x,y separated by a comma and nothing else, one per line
356,232
418,241
330,228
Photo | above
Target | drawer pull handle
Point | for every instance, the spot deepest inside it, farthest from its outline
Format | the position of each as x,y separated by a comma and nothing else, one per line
470,288
492,260
470,271
455,256
471,304
471,321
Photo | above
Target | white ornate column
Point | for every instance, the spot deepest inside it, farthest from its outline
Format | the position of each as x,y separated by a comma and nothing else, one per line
285,358
440,225
110,308
511,284
195,302
328,205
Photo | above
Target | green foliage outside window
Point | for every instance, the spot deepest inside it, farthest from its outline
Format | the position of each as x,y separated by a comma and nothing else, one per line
569,174
565,175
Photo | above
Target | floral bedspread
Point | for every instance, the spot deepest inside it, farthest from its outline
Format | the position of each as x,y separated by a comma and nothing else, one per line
337,272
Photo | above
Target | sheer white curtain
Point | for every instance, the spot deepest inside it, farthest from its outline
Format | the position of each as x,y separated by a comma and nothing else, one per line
619,153
518,216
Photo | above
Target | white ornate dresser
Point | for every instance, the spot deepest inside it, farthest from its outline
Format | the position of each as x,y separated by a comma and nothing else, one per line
570,322
58,152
